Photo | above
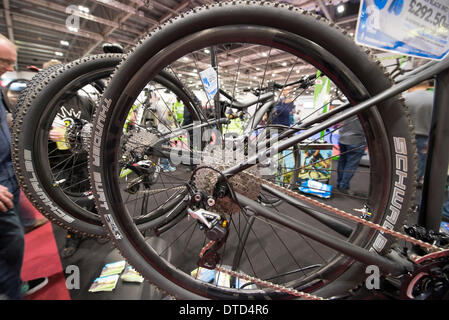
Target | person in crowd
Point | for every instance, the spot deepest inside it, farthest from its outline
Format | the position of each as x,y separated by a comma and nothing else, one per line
419,101
165,119
283,110
25,209
297,116
27,215
12,240
352,147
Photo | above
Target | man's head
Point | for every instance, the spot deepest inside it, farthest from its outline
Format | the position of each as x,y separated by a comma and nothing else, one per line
8,55
286,91
286,94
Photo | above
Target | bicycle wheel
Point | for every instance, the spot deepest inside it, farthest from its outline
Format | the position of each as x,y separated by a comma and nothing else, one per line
53,172
257,247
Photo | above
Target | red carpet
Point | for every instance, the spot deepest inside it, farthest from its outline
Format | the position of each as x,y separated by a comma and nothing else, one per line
54,290
42,259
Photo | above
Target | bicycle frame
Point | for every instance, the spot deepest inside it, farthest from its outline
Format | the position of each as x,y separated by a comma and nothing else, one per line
435,176
434,181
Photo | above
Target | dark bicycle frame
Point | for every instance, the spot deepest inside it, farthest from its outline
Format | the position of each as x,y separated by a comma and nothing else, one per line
430,213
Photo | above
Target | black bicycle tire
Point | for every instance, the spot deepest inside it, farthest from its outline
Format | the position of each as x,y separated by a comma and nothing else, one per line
34,103
395,121
42,201
28,91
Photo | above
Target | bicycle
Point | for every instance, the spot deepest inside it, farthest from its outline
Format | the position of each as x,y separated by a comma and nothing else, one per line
219,220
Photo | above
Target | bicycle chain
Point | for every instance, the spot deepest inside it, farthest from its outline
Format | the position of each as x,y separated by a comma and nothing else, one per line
436,251
271,285
260,282
349,216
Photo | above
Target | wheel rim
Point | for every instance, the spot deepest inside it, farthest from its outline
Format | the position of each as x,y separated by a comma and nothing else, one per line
71,200
147,253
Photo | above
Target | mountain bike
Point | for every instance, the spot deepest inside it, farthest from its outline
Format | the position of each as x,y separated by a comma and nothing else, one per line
223,243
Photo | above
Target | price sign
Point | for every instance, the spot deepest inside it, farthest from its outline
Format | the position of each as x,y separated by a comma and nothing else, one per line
209,79
412,27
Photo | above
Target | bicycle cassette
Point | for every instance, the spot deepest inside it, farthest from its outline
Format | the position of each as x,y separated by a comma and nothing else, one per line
245,182
138,141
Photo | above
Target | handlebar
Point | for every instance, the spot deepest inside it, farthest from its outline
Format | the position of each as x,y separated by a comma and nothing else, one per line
304,82
264,94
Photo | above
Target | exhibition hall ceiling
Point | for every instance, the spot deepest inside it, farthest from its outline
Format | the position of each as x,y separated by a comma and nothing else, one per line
67,30
47,29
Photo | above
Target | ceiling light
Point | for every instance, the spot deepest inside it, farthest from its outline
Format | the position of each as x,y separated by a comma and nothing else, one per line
65,43
59,54
284,64
73,29
206,51
83,9
341,8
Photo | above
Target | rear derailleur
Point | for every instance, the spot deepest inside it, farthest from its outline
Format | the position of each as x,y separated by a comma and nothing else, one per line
214,225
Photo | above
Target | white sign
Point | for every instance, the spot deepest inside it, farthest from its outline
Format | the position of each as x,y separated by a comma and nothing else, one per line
210,82
411,27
